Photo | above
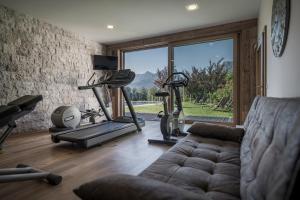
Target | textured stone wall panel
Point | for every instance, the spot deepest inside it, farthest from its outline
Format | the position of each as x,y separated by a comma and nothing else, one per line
39,58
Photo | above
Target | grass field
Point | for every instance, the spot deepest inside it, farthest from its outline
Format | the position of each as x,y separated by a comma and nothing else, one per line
190,109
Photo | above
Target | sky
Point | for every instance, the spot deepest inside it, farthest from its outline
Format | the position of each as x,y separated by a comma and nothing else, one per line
185,57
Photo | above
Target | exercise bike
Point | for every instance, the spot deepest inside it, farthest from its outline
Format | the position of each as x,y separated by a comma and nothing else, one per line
172,124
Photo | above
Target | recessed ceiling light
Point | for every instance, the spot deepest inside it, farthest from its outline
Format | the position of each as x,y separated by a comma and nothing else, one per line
110,26
192,7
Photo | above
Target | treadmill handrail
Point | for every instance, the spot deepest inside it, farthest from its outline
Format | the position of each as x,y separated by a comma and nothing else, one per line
115,81
106,82
86,87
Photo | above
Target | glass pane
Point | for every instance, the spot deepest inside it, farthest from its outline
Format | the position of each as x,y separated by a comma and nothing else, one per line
146,64
209,95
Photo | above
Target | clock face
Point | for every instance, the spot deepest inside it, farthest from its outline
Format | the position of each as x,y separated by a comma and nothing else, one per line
280,25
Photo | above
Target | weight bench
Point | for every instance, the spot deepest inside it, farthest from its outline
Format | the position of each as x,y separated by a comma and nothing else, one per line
8,115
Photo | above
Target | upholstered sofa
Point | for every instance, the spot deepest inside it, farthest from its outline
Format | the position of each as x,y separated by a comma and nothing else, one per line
258,162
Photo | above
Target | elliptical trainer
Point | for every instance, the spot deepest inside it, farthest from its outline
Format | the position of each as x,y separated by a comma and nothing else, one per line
172,124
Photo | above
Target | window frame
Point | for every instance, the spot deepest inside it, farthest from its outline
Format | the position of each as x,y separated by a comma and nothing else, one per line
118,108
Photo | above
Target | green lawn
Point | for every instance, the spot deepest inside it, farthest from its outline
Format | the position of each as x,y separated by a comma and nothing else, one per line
190,109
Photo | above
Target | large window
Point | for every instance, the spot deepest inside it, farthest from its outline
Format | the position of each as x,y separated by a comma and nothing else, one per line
146,64
209,96
210,66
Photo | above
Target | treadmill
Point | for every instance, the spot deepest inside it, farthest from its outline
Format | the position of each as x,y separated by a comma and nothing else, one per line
95,134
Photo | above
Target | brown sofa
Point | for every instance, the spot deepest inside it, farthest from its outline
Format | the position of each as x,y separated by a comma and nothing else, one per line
259,162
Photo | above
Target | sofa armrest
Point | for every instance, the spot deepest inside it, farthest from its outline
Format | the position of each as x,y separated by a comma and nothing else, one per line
127,187
217,131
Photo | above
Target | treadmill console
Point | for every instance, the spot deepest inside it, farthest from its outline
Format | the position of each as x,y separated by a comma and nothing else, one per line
120,78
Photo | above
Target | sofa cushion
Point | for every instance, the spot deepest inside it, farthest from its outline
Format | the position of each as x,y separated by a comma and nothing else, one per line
204,166
270,149
126,187
217,131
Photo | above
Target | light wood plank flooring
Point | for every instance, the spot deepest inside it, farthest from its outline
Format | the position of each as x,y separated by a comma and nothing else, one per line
129,154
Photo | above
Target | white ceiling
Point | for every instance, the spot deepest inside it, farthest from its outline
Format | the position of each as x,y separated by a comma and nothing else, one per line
134,19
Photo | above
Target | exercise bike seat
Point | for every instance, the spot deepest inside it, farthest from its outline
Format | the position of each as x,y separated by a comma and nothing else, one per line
162,94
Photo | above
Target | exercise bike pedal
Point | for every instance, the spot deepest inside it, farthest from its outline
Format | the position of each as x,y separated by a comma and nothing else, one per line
160,114
167,142
176,133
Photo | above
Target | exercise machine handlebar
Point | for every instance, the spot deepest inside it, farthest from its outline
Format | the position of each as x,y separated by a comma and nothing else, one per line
86,87
177,83
117,80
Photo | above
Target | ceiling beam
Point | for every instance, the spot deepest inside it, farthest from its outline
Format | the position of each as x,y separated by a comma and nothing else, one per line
182,36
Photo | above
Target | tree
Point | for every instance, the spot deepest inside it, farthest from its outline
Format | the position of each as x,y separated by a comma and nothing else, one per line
128,91
134,94
225,91
151,93
143,94
162,75
206,80
196,87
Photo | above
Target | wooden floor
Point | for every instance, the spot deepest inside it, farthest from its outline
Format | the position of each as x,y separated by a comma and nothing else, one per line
129,154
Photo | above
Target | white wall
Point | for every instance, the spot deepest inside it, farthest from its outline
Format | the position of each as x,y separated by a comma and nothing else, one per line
283,76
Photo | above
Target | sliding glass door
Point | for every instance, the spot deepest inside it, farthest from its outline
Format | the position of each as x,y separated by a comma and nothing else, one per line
150,66
209,95
211,66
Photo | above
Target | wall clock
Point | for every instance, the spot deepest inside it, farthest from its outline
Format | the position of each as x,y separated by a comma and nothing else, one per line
280,25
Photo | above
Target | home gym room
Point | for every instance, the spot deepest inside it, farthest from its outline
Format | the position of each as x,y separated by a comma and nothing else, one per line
150,100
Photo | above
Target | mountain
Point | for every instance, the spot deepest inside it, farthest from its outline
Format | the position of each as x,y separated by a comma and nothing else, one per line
145,80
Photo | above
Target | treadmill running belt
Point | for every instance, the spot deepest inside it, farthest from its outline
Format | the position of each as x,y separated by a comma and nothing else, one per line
96,131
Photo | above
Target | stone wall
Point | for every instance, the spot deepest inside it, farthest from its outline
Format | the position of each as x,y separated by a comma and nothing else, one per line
40,58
